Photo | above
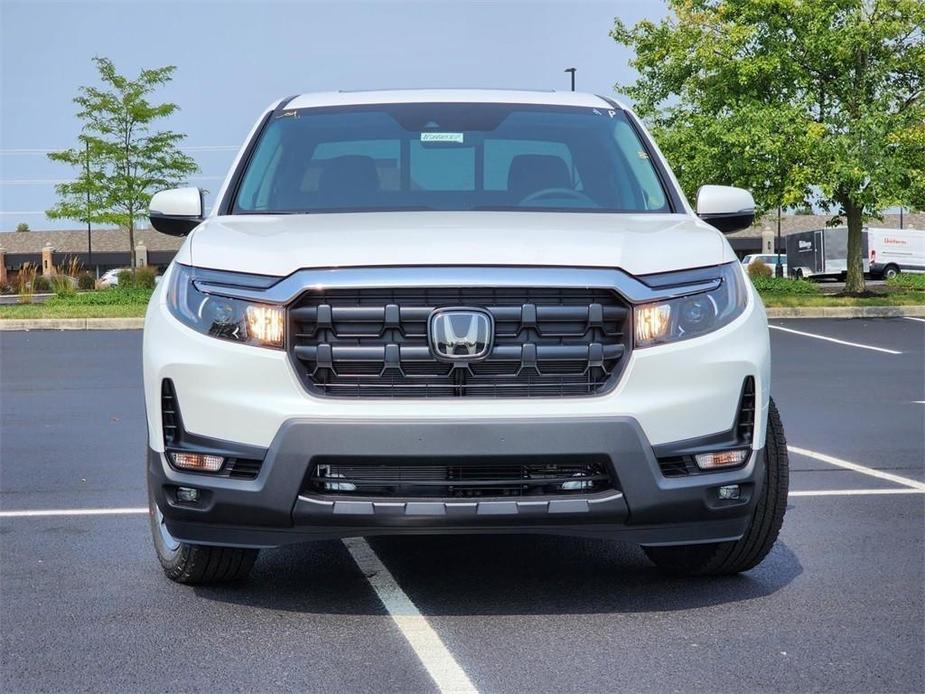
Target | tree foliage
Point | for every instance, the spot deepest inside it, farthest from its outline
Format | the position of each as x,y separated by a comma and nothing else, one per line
122,160
802,101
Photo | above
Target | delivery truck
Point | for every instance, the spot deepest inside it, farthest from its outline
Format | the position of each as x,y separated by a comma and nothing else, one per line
891,251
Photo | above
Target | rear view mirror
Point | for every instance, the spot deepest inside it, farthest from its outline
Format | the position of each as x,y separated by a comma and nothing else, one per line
725,207
176,212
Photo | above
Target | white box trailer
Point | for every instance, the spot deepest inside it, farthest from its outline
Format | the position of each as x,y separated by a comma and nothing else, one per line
821,253
891,251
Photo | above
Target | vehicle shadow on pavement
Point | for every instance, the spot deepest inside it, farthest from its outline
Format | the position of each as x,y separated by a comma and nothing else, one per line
497,575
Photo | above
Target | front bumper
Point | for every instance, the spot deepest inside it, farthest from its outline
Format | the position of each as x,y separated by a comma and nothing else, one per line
274,508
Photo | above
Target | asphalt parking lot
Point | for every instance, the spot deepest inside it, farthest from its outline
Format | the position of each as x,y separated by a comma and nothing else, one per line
837,606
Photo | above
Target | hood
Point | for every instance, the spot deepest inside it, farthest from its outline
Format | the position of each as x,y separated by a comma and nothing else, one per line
281,244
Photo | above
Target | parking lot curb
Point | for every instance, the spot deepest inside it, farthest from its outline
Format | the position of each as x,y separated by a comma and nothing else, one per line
73,324
847,312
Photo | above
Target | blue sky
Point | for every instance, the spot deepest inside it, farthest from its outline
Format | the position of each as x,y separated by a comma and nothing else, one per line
233,58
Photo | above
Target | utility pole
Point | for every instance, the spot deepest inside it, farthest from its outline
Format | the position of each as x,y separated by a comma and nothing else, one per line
87,174
900,216
572,70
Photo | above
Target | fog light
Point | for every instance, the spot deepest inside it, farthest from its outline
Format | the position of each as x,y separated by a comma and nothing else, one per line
576,485
187,494
325,471
720,459
729,492
197,461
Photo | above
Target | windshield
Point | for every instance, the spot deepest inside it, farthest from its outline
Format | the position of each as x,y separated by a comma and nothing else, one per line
449,156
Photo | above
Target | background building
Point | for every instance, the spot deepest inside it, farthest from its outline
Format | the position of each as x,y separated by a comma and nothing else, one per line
110,246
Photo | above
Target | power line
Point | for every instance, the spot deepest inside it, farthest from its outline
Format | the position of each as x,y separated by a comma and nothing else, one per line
56,181
191,148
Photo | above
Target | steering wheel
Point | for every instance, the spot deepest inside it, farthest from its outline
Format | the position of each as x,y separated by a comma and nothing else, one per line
556,193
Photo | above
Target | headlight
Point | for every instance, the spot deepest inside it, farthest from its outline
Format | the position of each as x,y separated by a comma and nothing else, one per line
693,315
229,319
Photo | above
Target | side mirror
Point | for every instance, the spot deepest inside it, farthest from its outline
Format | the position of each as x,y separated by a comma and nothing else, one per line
726,207
176,212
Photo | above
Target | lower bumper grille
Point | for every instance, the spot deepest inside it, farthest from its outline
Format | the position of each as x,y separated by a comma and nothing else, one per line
461,478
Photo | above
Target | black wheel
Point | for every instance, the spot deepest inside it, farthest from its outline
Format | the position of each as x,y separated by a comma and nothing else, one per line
196,564
723,558
890,271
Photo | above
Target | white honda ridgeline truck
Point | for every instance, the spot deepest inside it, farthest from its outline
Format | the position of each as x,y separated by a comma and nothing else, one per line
457,312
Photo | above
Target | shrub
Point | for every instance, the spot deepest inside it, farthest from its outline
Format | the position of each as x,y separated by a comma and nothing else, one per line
22,226
86,281
759,269
783,285
72,266
41,284
26,283
63,285
7,288
907,281
126,279
144,278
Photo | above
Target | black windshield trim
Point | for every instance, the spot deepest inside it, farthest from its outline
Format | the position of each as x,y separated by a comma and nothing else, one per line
661,172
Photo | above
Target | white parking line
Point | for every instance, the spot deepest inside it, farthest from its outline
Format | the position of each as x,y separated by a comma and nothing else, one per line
854,492
920,320
430,650
72,512
880,474
832,339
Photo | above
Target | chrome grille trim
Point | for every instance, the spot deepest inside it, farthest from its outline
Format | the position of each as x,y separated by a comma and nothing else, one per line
287,289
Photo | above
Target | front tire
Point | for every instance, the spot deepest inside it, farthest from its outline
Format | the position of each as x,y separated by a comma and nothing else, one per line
890,271
725,558
196,564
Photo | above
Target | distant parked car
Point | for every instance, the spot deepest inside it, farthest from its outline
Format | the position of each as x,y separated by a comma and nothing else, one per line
769,259
110,278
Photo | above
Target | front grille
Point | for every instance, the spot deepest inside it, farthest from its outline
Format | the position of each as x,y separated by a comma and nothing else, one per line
460,478
549,342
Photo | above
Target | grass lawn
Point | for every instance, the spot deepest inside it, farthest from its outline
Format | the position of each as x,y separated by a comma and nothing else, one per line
107,303
912,298
20,311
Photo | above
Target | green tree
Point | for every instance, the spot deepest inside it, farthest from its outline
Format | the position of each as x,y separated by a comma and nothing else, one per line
22,226
803,101
123,161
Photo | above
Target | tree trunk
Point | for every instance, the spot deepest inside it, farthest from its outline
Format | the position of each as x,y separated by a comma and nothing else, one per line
131,241
854,282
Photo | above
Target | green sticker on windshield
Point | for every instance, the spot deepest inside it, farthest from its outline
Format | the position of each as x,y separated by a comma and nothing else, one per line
442,137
